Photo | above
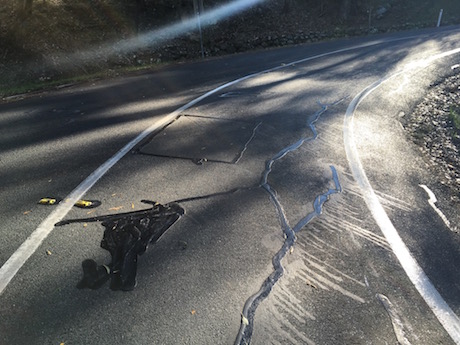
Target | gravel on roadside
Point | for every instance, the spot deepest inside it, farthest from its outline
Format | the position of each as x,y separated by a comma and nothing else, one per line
434,125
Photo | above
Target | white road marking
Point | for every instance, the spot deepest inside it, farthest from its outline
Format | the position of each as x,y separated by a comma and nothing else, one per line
440,308
432,200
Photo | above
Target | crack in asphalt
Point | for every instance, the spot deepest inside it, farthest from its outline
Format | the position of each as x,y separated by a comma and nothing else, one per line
254,131
247,317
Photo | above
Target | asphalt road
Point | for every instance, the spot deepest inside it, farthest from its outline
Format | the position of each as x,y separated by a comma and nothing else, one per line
305,220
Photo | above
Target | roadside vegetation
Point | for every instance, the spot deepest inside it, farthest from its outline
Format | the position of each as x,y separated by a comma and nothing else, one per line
454,117
39,38
434,125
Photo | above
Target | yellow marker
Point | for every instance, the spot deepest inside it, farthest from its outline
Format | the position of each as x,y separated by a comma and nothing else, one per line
87,203
47,201
83,203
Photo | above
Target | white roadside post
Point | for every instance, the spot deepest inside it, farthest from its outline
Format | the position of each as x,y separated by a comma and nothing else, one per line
440,18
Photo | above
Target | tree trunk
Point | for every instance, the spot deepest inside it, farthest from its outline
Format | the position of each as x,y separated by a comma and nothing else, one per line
287,6
139,13
27,8
345,9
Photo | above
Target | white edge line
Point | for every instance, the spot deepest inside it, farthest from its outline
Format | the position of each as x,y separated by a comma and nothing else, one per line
448,319
31,244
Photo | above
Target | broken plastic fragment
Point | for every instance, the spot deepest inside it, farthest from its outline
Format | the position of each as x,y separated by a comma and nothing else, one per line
244,320
309,283
199,161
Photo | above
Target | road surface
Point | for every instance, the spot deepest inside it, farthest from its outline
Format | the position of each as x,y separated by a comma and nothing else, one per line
307,215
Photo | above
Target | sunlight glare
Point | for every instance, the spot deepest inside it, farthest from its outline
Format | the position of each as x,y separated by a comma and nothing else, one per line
156,37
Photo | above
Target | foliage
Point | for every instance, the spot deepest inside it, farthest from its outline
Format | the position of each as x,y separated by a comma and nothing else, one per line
31,42
454,117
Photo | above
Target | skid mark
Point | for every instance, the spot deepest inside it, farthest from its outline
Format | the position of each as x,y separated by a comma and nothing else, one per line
314,246
359,231
321,244
286,319
323,266
293,306
330,267
342,216
313,271
392,202
340,224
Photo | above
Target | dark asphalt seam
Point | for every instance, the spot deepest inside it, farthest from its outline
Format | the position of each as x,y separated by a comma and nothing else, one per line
208,196
247,317
200,160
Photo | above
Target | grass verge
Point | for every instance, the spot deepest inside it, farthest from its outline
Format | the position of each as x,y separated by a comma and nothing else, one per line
454,117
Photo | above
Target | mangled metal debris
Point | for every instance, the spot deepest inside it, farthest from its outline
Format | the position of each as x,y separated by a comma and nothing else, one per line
126,236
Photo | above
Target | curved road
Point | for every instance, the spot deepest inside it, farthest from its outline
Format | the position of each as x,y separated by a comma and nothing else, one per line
309,216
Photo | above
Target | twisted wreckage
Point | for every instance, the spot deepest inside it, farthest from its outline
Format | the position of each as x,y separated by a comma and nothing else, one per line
126,236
